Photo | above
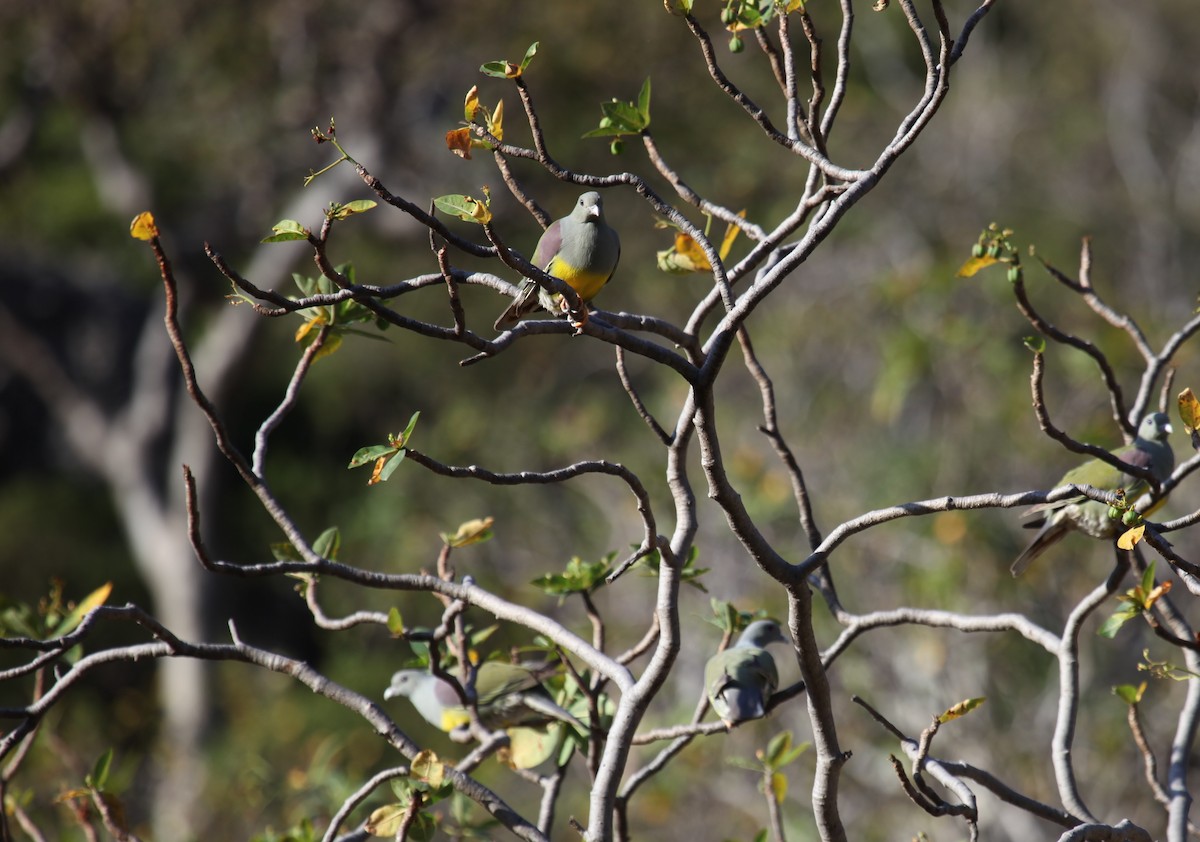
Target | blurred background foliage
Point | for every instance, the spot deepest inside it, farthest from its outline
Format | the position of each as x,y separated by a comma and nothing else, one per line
896,381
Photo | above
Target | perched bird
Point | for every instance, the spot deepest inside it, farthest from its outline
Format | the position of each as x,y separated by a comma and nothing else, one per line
740,679
1149,450
580,249
507,696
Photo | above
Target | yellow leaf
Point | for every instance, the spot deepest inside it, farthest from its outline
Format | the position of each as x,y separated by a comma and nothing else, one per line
962,708
73,795
332,342
1130,539
386,820
458,141
1189,410
530,747
731,233
426,767
90,602
779,786
471,532
481,213
495,122
309,324
143,227
96,598
471,104
685,256
975,264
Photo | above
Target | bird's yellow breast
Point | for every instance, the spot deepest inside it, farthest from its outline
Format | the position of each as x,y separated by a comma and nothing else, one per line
585,284
453,717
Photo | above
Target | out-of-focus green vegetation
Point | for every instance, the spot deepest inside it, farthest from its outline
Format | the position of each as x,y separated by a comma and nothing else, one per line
896,380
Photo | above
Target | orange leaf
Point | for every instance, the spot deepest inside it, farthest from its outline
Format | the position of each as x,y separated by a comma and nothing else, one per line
458,141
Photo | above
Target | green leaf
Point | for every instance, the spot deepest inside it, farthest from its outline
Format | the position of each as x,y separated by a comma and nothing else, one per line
478,637
284,551
779,745
503,69
499,69
1113,624
408,430
286,229
579,576
395,623
724,615
390,467
793,754
328,543
367,455
1129,694
307,285
1037,344
529,54
643,102
1148,578
99,776
423,828
624,118
463,207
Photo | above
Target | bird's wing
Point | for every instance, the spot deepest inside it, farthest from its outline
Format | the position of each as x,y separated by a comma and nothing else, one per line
548,246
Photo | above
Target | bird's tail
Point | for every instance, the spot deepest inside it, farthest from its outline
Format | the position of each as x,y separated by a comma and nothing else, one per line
1051,534
547,707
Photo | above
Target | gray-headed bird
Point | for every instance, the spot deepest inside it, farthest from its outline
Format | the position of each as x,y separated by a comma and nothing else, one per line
741,679
507,696
580,249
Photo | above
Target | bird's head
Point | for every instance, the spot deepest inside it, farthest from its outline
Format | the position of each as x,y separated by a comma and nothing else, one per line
760,633
404,683
1155,427
589,208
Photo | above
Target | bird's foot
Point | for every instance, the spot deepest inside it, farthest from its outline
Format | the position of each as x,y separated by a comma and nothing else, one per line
578,325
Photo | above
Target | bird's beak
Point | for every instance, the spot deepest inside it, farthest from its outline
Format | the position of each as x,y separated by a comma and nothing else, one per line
593,212
388,694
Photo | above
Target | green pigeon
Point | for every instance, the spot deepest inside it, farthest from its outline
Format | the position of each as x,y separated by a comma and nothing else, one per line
1149,450
507,696
741,679
580,249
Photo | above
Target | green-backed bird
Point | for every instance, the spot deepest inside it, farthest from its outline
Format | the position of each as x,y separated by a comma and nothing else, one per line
507,696
580,249
1149,450
741,679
